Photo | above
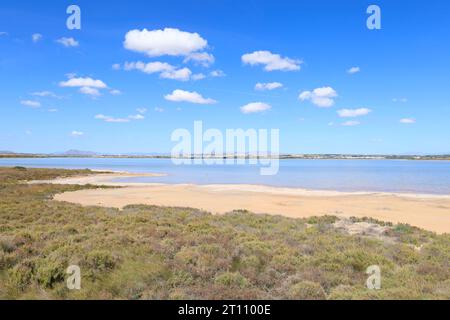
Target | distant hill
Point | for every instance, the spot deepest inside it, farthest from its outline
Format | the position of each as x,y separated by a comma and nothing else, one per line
6,152
76,153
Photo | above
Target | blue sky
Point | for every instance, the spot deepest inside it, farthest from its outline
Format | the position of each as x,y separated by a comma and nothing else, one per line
60,90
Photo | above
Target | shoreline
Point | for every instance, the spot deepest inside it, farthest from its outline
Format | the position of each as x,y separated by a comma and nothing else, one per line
430,212
108,178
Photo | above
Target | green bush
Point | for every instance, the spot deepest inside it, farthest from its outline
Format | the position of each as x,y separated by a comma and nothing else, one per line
50,273
149,252
306,290
21,276
232,279
98,261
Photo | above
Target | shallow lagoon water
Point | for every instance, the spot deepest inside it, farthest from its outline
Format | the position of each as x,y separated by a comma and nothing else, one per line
427,177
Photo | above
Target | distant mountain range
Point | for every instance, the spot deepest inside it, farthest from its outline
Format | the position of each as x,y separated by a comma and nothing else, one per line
77,153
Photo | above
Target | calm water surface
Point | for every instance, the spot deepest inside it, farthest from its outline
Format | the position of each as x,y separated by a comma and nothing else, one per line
342,175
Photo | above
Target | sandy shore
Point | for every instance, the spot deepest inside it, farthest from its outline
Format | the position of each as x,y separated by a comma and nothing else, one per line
431,212
102,178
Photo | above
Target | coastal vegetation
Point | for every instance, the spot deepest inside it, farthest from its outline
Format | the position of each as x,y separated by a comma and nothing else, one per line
147,252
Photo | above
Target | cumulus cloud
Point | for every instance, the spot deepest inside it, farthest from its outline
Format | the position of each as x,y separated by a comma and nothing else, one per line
31,103
217,74
43,94
68,42
36,37
255,107
165,70
198,76
94,92
203,58
83,82
353,70
271,61
76,133
403,100
170,41
159,110
353,113
151,67
183,74
350,123
186,96
268,86
116,66
321,97
71,75
141,110
408,121
88,86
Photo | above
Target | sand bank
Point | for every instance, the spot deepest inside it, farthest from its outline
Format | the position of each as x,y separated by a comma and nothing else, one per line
431,212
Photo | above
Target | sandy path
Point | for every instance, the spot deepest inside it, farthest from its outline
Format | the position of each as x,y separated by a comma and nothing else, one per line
425,211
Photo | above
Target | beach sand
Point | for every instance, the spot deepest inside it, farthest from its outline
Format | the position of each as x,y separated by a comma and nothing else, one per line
430,212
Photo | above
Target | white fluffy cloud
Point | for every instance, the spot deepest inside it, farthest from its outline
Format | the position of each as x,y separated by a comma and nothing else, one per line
351,123
353,113
88,86
31,103
203,58
94,92
268,86
36,37
183,74
151,67
165,70
353,70
321,97
76,133
170,41
217,74
271,61
408,121
141,110
198,76
68,42
255,107
186,96
83,82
